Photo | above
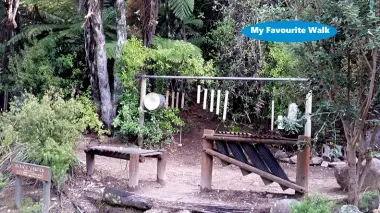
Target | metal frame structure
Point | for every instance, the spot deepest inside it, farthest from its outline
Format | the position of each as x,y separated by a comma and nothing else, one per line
303,157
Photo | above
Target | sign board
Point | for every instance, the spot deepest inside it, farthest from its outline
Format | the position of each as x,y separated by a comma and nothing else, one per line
42,173
28,170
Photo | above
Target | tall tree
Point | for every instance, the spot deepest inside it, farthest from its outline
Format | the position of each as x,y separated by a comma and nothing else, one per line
94,19
121,39
149,20
10,24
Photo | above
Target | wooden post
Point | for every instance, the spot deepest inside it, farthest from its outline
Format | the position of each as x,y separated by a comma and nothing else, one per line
303,158
161,168
133,172
46,194
141,109
90,163
206,170
18,183
212,101
225,106
199,94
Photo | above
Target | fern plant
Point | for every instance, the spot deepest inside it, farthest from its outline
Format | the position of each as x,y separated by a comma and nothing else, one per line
181,8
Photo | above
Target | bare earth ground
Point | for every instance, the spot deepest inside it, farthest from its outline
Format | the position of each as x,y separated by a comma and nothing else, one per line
183,177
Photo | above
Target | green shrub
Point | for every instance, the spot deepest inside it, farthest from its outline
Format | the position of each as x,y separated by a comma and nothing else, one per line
313,204
369,200
159,125
28,206
44,131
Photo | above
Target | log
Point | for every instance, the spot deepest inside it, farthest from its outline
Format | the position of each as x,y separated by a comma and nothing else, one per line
116,197
119,198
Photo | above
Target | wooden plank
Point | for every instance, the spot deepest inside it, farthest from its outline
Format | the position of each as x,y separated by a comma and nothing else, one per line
161,168
177,101
29,170
167,100
124,150
255,170
250,140
206,168
133,173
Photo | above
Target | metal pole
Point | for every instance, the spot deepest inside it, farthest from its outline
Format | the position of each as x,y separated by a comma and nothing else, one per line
223,78
141,109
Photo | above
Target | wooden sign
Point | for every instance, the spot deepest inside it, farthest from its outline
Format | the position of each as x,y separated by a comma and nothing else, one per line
28,170
42,173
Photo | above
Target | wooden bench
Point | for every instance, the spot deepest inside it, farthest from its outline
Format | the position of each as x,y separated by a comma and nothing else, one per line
135,156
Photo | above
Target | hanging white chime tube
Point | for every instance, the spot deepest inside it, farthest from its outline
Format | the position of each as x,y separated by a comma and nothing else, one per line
167,99
225,106
212,101
173,95
217,102
183,100
272,120
177,101
205,99
199,94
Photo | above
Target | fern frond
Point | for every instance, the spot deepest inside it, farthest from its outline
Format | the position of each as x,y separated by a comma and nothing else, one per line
182,8
111,49
33,31
193,21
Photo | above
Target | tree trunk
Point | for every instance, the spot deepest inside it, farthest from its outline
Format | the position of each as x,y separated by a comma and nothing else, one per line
121,39
94,13
11,8
353,189
149,20
90,47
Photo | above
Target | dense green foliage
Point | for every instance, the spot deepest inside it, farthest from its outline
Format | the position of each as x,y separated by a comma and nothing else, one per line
313,204
45,131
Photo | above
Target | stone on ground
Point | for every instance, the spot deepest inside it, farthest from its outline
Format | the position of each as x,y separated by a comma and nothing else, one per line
279,154
316,161
349,209
283,206
371,182
156,211
184,211
293,159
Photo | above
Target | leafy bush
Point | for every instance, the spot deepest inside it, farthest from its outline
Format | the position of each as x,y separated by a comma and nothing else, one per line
313,204
44,131
170,58
369,201
159,125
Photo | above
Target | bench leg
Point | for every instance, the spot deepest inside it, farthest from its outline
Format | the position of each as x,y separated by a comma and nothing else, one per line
133,172
90,164
161,168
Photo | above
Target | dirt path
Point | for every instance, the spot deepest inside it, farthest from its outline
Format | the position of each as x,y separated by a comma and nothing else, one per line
230,187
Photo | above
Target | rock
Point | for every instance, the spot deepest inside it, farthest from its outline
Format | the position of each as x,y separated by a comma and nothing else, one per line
336,164
97,178
156,211
285,160
184,211
325,164
293,159
337,160
280,154
283,206
376,211
371,181
316,161
349,209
